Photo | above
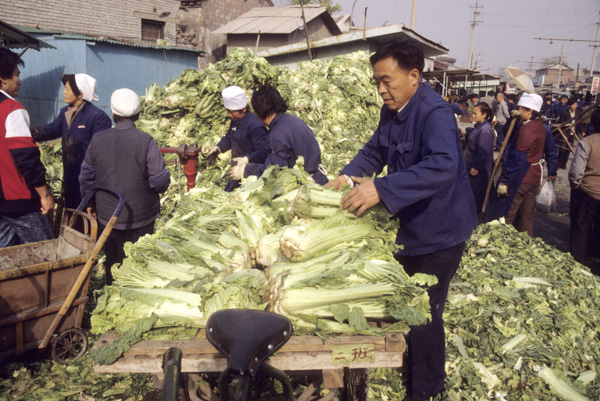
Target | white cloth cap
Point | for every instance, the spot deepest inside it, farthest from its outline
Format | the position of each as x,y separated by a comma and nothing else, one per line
87,86
125,103
531,101
234,98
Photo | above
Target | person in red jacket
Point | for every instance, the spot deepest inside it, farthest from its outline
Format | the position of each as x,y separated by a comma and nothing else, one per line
522,173
25,199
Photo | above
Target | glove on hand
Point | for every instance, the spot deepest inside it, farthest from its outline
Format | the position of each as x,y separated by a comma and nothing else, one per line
240,161
502,190
211,157
236,172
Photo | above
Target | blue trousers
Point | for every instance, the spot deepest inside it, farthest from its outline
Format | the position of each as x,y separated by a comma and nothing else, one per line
17,229
426,357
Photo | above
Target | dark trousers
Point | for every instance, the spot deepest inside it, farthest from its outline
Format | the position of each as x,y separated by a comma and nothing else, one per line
563,150
426,344
520,213
584,210
500,135
113,247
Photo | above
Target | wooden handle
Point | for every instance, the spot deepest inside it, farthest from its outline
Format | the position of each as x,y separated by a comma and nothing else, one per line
495,170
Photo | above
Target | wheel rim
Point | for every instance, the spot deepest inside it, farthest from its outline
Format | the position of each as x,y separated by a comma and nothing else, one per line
69,346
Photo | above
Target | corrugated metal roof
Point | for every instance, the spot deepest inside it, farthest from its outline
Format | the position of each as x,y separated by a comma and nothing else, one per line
15,38
139,44
274,20
377,35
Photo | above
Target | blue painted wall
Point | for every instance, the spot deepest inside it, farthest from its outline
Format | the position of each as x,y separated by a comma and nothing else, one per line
113,66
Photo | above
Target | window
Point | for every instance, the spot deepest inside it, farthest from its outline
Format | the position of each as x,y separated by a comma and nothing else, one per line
152,30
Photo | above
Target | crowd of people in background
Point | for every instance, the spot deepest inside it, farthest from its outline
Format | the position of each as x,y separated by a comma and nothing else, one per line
548,130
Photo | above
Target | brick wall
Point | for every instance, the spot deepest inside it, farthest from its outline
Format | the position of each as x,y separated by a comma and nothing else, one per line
219,12
110,18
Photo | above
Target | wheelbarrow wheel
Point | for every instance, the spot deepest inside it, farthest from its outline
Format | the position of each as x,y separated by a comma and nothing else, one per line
69,346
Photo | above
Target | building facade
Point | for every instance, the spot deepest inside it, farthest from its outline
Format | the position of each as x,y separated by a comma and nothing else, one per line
134,20
555,76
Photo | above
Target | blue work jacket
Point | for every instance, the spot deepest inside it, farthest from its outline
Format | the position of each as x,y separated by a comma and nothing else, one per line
247,137
75,141
480,155
426,187
289,138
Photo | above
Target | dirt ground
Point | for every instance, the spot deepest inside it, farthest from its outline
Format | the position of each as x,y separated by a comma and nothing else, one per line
553,228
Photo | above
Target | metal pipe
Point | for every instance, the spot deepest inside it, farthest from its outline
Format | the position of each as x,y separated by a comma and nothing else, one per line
172,369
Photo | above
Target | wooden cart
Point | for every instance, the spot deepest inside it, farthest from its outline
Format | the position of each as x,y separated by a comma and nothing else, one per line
340,363
35,280
44,286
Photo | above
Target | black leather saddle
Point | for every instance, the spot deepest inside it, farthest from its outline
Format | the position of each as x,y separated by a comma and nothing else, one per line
247,337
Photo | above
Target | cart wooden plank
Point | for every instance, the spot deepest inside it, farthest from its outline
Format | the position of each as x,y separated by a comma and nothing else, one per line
301,353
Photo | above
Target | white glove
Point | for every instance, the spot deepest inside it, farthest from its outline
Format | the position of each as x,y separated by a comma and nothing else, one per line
236,172
502,190
213,154
240,161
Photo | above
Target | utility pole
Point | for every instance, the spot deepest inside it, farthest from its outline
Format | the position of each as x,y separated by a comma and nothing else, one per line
474,22
595,47
531,67
560,65
305,30
413,16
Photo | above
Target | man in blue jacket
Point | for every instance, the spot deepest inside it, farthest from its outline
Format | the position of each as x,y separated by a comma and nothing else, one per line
426,188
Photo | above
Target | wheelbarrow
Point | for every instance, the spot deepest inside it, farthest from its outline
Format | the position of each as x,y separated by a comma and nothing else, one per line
44,285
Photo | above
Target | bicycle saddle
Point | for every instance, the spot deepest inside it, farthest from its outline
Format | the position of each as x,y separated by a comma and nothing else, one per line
247,337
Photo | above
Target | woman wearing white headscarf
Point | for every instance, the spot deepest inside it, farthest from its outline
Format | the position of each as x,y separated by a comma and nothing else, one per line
76,124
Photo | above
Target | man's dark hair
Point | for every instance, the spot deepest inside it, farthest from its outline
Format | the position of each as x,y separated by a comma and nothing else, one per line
9,60
563,97
133,118
266,100
473,96
512,97
595,121
571,101
491,93
487,110
407,53
70,78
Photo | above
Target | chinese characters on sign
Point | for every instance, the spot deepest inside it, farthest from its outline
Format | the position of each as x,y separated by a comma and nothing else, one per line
354,353
595,84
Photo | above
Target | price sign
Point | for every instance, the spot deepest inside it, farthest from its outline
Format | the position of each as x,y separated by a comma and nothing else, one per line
595,85
354,353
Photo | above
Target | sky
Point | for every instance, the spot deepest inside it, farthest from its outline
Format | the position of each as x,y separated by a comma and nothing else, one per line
504,33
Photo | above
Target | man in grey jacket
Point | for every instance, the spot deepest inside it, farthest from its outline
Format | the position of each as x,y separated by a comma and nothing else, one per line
502,116
584,177
129,162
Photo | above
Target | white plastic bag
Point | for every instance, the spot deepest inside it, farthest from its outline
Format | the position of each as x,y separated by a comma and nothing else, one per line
545,202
